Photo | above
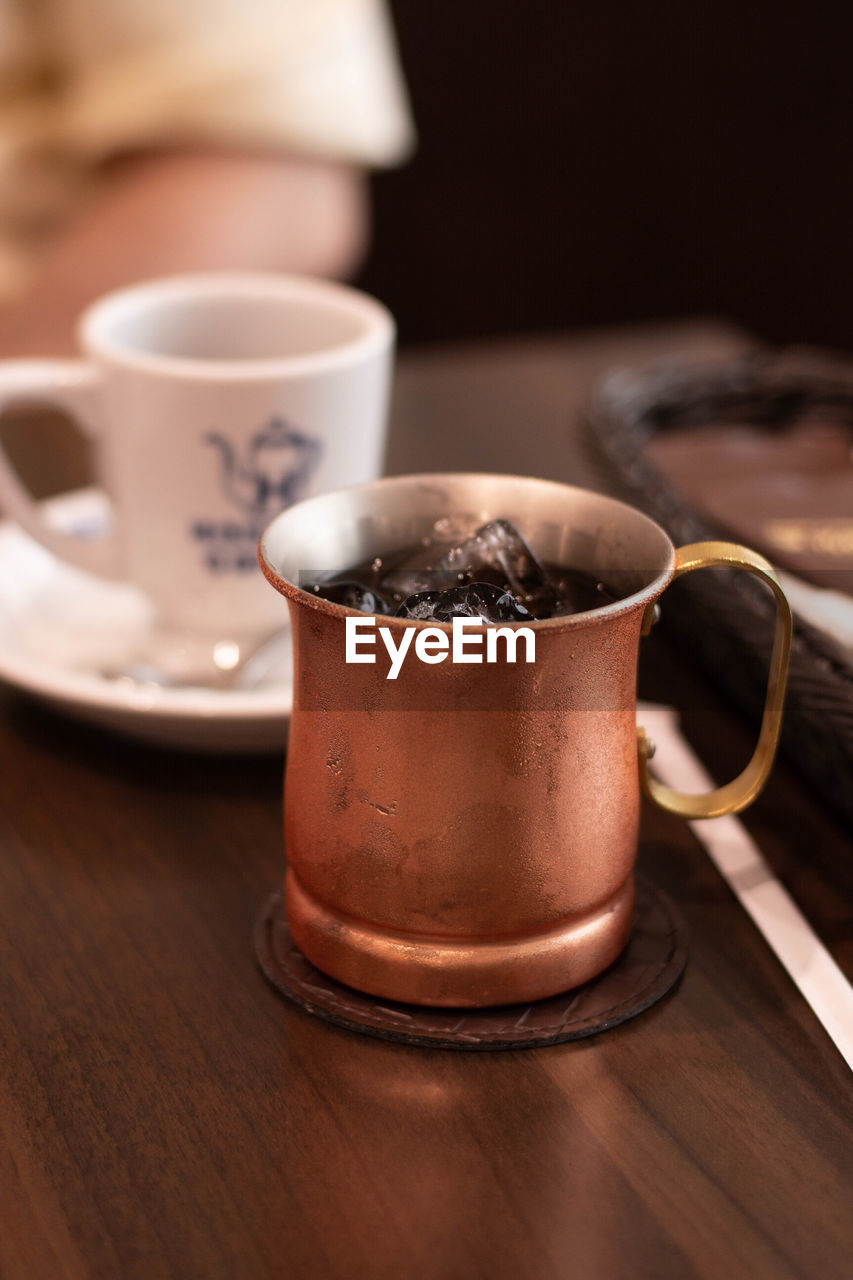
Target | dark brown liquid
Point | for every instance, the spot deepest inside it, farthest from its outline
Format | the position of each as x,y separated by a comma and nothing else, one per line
394,579
577,590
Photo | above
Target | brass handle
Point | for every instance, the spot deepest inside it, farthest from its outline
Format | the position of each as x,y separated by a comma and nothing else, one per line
743,789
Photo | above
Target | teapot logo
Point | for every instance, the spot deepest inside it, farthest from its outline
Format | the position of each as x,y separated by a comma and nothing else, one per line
272,470
269,473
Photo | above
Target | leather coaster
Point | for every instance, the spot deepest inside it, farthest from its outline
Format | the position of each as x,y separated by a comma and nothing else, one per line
650,965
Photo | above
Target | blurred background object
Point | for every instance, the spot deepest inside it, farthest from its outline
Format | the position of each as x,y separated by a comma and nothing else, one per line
585,164
146,139
249,121
760,449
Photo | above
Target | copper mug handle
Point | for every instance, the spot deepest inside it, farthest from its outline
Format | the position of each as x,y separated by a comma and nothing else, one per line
743,789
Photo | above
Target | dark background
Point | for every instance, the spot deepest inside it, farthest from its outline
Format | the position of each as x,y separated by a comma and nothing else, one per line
587,163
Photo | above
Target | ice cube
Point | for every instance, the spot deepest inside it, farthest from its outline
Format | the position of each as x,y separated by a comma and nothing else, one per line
353,595
474,600
495,554
498,554
420,605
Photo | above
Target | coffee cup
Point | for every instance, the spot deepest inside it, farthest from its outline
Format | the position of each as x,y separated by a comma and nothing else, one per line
465,835
213,402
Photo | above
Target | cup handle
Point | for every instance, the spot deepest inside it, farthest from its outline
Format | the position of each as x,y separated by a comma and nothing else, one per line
743,789
70,385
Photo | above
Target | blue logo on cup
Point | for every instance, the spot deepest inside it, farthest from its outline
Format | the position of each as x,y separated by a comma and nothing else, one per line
270,472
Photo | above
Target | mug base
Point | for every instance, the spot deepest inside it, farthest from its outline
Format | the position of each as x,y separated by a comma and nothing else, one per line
648,968
458,972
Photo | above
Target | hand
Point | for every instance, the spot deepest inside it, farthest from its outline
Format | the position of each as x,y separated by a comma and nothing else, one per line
161,213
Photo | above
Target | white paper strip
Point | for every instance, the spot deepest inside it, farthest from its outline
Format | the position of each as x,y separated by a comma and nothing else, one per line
739,861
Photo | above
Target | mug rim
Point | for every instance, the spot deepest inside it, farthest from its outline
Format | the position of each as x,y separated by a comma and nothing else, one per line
636,600
95,325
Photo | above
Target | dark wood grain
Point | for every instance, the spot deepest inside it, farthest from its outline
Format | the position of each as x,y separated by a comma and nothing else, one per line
166,1114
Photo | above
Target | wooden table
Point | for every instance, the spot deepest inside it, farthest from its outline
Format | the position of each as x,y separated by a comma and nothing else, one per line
166,1114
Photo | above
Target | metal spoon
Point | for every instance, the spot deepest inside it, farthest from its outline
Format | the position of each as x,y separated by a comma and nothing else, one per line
232,667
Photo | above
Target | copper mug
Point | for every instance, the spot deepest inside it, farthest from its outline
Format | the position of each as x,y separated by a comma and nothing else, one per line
465,835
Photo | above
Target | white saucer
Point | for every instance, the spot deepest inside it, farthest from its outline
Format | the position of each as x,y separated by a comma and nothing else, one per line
59,626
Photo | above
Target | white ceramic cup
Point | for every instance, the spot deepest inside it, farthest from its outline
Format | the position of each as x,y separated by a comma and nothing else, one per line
214,401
